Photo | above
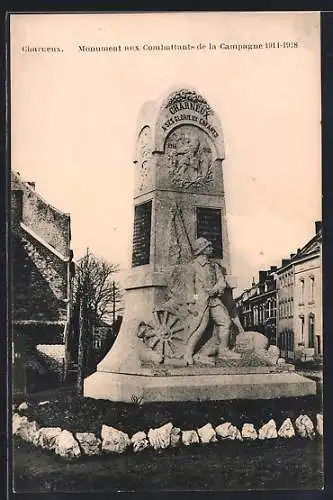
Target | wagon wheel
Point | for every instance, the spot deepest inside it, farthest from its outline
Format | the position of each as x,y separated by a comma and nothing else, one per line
165,333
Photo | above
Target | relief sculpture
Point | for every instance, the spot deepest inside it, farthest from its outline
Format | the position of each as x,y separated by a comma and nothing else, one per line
144,153
189,157
180,248
199,323
199,298
163,335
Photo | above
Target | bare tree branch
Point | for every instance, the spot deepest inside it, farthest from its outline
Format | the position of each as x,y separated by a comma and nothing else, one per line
95,277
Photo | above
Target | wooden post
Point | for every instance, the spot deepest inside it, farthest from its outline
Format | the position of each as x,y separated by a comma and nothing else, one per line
69,326
81,347
83,331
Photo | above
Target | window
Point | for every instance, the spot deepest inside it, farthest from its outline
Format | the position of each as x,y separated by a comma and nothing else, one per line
290,340
302,327
302,291
287,341
311,340
269,308
312,288
97,343
255,315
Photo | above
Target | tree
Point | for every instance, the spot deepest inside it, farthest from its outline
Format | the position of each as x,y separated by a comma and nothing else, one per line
95,282
97,297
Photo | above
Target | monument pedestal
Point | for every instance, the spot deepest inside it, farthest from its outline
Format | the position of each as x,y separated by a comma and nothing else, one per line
203,387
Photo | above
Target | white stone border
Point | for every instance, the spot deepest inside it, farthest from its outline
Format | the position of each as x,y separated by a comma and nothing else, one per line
113,441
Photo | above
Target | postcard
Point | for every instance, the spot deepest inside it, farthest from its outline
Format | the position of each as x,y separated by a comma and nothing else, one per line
166,249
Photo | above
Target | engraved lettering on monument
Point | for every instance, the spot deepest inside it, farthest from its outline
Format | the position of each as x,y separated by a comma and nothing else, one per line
141,234
196,110
188,99
209,227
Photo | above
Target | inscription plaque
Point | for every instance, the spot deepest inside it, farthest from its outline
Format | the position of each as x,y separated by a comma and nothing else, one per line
141,235
209,226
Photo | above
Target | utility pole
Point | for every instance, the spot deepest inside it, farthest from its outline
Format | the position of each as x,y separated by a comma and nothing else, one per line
113,304
69,325
80,356
82,348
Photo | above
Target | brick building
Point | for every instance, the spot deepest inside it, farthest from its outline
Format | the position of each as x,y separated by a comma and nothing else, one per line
41,279
257,305
286,302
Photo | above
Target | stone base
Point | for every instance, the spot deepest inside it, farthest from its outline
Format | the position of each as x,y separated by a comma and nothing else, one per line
131,388
165,370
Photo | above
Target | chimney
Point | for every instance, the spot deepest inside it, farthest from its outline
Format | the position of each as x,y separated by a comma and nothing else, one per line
253,281
262,276
298,250
285,262
318,226
292,255
273,269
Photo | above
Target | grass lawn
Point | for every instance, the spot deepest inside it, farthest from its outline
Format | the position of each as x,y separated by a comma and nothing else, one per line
78,414
268,465
276,464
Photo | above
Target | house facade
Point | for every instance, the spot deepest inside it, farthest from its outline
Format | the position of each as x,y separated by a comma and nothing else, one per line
257,305
299,286
41,278
285,303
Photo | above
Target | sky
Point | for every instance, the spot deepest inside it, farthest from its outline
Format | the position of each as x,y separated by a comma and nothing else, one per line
73,121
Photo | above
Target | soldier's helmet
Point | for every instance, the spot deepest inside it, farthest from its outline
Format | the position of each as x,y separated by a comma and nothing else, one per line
199,245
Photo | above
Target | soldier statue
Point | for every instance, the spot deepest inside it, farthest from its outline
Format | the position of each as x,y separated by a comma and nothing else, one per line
213,299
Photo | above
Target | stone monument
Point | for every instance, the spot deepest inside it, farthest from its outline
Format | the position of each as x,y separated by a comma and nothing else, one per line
181,338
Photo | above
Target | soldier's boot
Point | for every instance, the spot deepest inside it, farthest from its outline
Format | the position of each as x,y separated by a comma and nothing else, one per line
223,350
